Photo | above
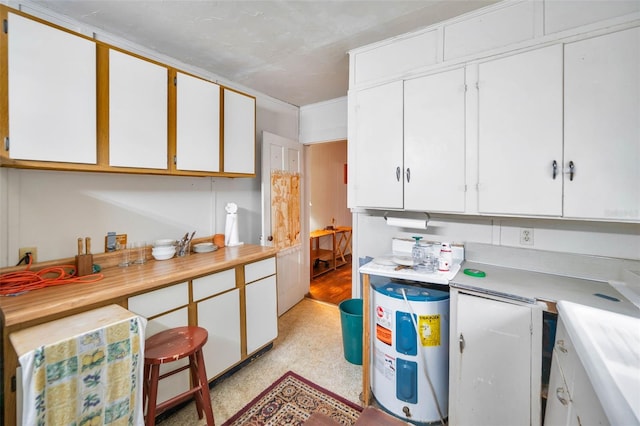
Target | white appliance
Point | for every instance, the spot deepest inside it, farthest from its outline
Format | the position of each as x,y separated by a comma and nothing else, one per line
410,350
401,358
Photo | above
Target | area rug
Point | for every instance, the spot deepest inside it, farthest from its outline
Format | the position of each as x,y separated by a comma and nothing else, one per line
290,401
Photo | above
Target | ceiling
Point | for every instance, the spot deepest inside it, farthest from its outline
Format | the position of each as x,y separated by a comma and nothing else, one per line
295,51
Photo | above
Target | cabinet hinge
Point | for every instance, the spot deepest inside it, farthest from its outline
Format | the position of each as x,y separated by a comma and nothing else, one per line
13,383
6,143
466,88
531,329
175,81
478,85
5,26
175,159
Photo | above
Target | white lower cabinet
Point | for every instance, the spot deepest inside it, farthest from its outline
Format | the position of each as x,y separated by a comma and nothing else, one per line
217,303
262,313
220,315
218,311
495,362
572,399
160,307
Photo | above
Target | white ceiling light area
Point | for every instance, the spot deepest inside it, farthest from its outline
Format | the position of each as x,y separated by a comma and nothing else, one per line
295,51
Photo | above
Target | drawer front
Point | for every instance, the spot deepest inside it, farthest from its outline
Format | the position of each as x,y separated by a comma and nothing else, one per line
213,284
159,301
257,270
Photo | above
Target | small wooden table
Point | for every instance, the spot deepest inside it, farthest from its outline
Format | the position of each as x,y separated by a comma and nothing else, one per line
318,255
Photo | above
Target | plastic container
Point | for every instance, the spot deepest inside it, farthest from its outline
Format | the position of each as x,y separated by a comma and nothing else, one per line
351,322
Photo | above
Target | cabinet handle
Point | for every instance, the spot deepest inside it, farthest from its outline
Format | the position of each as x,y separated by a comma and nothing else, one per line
408,175
555,169
561,397
398,173
572,170
461,341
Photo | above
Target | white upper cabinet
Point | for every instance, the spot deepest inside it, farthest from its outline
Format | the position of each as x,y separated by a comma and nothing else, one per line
379,169
410,140
602,127
520,134
138,106
434,142
239,133
52,93
197,124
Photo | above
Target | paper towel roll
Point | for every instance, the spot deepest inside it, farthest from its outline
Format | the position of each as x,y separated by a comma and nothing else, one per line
407,223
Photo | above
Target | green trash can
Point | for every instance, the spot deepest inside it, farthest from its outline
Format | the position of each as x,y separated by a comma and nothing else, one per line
351,321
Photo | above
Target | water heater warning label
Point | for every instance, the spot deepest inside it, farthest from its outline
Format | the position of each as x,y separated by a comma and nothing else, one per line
429,326
383,325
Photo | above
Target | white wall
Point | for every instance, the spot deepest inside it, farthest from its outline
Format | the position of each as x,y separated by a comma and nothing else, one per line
328,193
324,121
51,209
618,240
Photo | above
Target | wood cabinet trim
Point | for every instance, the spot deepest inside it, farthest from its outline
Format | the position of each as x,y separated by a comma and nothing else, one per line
102,111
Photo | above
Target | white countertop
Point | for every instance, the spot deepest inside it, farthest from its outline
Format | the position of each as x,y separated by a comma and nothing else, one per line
537,287
608,345
393,271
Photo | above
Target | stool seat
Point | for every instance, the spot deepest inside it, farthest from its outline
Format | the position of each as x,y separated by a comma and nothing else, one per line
174,344
169,346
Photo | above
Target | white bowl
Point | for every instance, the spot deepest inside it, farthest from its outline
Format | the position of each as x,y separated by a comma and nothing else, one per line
163,256
165,242
165,250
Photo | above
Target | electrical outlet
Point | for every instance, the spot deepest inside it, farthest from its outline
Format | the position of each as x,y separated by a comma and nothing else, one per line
24,250
526,236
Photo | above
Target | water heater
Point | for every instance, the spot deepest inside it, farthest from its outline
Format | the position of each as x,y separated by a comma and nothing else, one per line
410,334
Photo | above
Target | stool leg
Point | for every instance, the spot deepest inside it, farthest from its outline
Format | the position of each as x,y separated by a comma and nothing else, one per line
153,395
195,380
204,388
145,385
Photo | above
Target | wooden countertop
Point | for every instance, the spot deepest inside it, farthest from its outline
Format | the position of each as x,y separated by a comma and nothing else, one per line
121,283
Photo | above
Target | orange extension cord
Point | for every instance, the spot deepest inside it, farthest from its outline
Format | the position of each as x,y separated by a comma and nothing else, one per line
15,283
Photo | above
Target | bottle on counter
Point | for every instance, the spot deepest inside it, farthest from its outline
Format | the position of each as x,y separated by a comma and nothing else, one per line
446,257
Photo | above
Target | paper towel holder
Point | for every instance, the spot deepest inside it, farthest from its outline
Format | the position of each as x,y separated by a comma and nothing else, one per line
420,223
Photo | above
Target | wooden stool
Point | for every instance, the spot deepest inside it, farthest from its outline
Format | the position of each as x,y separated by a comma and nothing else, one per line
172,345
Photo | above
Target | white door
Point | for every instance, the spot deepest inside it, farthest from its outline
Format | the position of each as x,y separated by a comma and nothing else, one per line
434,142
379,168
601,131
281,216
491,363
520,133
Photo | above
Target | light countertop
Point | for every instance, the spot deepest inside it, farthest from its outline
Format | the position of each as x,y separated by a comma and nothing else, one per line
608,345
538,287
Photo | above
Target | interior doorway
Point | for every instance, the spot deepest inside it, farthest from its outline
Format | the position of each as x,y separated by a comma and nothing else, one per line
327,171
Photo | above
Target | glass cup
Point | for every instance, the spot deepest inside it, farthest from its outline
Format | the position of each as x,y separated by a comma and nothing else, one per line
183,250
125,255
140,252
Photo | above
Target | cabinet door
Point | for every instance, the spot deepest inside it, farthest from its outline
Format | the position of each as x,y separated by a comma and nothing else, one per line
434,142
178,383
52,93
197,124
491,363
520,133
138,105
378,163
558,407
220,315
602,135
262,313
239,133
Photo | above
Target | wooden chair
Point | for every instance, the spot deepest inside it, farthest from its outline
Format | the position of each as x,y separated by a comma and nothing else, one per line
173,345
